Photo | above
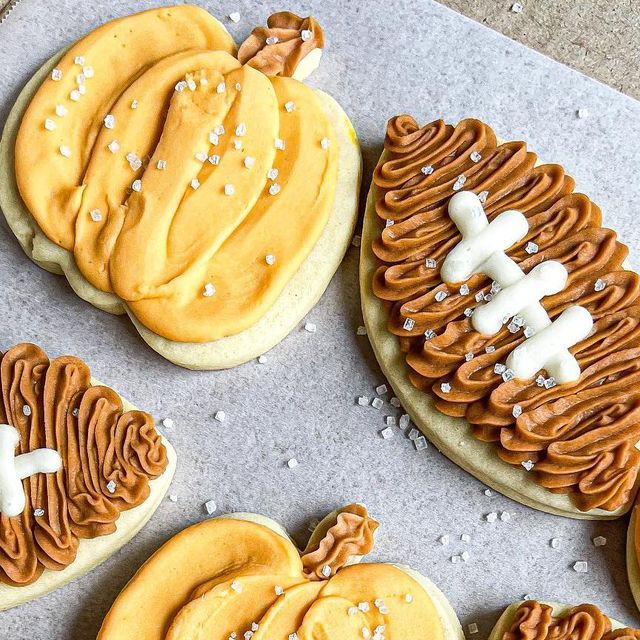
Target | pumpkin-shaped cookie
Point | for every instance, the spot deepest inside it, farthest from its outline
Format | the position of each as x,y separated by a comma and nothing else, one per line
210,200
240,575
81,472
502,313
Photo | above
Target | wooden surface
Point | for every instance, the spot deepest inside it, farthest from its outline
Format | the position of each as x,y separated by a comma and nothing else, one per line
601,38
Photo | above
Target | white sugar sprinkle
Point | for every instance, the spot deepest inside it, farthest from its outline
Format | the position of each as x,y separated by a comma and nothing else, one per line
475,156
167,423
465,537
95,214
445,387
528,464
464,290
113,146
201,156
65,151
377,403
459,183
505,516
234,16
528,332
516,7
214,138
429,334
272,174
310,327
218,129
482,196
219,416
430,263
61,110
272,40
249,161
278,590
408,598
214,159
238,86
38,513
409,323
404,421
195,184
444,540
270,259
488,493
209,290
473,628
516,411
324,143
427,170
581,566
582,113
381,389
413,434
191,83
134,104
363,401
137,185
440,296
599,285
241,129
289,106
599,541
394,402
210,506
554,543
88,72
420,443
468,356
109,121
161,164
531,248
111,486
387,433
292,463
56,75
279,144
491,517
262,359
361,330
79,60
26,410
237,145
49,124
390,421
236,586
82,89
221,87
75,95
490,349
229,190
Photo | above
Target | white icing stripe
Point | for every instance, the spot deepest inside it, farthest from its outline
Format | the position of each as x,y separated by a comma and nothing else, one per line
482,250
547,349
13,469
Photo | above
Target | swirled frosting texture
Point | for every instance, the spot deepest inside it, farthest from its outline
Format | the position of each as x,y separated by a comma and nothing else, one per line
581,437
350,535
108,458
535,621
278,48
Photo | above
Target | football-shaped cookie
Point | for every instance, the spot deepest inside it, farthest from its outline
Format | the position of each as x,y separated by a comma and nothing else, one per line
81,472
502,313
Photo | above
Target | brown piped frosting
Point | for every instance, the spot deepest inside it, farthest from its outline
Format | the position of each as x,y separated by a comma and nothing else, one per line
581,436
351,535
108,457
535,621
278,48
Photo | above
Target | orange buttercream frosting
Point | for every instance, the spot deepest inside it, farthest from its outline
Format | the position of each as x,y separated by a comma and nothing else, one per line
189,185
226,577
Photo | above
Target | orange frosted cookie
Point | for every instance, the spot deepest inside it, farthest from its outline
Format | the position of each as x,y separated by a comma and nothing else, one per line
210,200
240,575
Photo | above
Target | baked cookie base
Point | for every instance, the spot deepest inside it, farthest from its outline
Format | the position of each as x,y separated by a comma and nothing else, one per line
559,609
298,297
92,552
452,436
633,569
